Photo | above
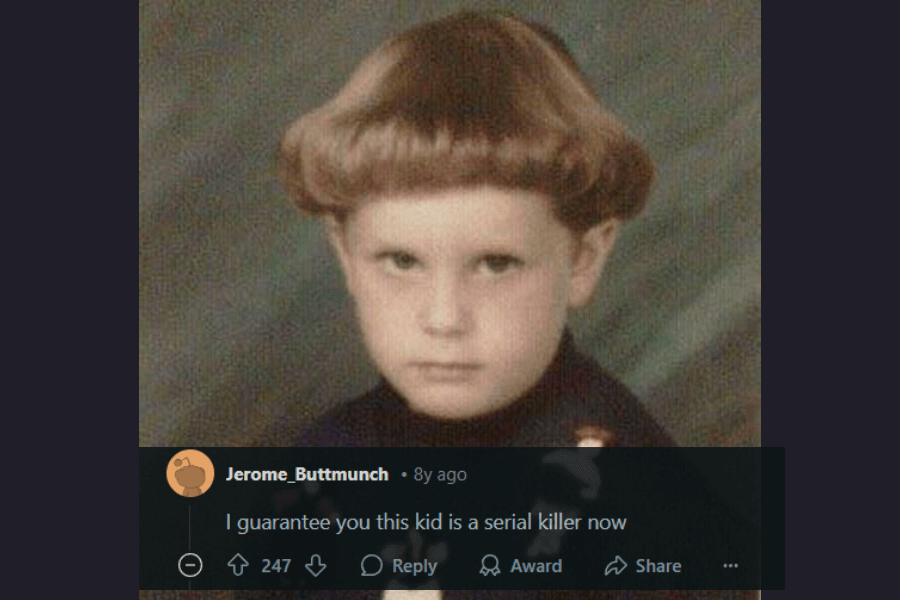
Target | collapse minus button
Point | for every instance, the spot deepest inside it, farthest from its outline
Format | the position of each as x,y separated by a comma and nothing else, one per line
190,565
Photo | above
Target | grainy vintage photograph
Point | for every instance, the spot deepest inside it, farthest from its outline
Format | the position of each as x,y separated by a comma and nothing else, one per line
450,224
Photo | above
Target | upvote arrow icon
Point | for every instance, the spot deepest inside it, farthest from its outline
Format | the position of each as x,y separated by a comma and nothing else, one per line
237,563
617,565
315,566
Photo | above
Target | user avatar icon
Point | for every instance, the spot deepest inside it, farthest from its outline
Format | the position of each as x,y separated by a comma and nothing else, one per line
190,473
191,477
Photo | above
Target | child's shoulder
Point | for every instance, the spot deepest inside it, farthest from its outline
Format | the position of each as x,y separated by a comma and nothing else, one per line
596,399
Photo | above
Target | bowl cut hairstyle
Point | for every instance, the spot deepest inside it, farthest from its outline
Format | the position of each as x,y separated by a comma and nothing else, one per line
468,100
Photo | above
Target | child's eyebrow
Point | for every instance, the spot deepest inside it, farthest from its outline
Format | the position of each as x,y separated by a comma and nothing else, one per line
390,246
383,253
379,251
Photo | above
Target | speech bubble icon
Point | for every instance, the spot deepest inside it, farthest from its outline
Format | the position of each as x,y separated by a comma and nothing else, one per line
370,557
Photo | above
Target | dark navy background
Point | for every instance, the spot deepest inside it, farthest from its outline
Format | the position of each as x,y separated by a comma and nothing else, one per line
700,507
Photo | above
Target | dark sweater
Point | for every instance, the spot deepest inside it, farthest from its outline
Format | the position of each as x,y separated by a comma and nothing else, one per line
574,391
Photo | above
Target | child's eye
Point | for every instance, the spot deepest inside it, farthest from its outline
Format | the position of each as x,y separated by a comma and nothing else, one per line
398,261
497,264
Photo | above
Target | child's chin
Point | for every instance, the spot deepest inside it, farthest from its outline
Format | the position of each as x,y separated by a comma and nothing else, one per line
451,405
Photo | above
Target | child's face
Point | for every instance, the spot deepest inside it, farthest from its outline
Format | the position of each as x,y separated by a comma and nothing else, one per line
462,295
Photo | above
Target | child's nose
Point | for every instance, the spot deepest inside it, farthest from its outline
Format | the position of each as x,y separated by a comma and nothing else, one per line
443,311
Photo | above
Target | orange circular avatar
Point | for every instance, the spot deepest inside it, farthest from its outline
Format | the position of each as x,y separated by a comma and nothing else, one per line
190,473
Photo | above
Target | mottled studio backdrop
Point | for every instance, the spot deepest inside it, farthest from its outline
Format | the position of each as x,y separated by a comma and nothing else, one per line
246,332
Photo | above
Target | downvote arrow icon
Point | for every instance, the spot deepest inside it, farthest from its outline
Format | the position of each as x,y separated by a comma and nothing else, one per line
617,565
237,563
315,566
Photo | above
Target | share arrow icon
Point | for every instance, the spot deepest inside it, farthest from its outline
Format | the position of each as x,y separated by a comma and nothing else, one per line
237,563
617,565
315,566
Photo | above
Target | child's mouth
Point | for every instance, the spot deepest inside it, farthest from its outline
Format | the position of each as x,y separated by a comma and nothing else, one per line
438,372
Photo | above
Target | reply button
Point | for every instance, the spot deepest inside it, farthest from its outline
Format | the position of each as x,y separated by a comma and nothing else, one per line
425,566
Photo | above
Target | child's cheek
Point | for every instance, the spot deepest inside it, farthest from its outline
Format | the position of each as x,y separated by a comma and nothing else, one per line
537,299
386,309
381,299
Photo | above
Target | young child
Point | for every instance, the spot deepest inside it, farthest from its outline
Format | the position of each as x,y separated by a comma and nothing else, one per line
472,186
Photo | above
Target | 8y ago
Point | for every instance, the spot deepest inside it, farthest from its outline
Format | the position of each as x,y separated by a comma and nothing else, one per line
448,477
